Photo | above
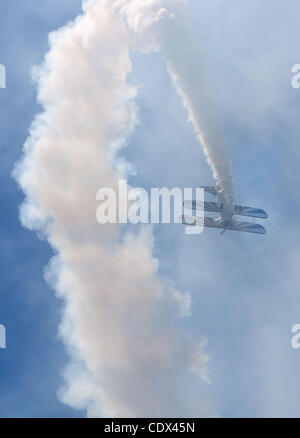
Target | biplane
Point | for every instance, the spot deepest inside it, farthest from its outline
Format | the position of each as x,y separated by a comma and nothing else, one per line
227,211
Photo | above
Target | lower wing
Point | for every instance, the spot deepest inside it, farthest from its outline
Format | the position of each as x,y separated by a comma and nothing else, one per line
238,209
210,222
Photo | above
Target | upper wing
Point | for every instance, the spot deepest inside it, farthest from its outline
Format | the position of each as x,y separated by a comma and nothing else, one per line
210,222
238,209
251,212
199,205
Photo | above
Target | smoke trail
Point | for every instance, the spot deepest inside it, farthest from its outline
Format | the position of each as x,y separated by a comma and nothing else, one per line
163,25
129,355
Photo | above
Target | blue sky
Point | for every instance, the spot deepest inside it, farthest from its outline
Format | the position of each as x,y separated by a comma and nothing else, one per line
30,367
245,288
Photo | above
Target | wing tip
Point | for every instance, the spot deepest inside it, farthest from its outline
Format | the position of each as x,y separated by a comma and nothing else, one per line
263,214
259,230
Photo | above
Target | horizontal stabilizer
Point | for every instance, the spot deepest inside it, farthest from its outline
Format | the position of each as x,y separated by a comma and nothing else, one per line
210,222
209,189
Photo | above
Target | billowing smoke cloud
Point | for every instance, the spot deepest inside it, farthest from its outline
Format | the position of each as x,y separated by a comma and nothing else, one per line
129,353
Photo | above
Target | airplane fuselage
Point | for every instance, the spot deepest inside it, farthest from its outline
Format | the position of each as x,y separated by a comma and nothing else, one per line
226,206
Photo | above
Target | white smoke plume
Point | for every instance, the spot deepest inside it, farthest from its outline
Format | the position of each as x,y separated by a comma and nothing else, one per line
163,25
129,354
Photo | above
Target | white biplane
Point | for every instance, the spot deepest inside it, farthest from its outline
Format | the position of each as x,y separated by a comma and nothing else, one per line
227,211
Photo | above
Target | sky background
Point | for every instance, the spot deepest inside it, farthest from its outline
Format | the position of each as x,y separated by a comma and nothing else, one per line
245,288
